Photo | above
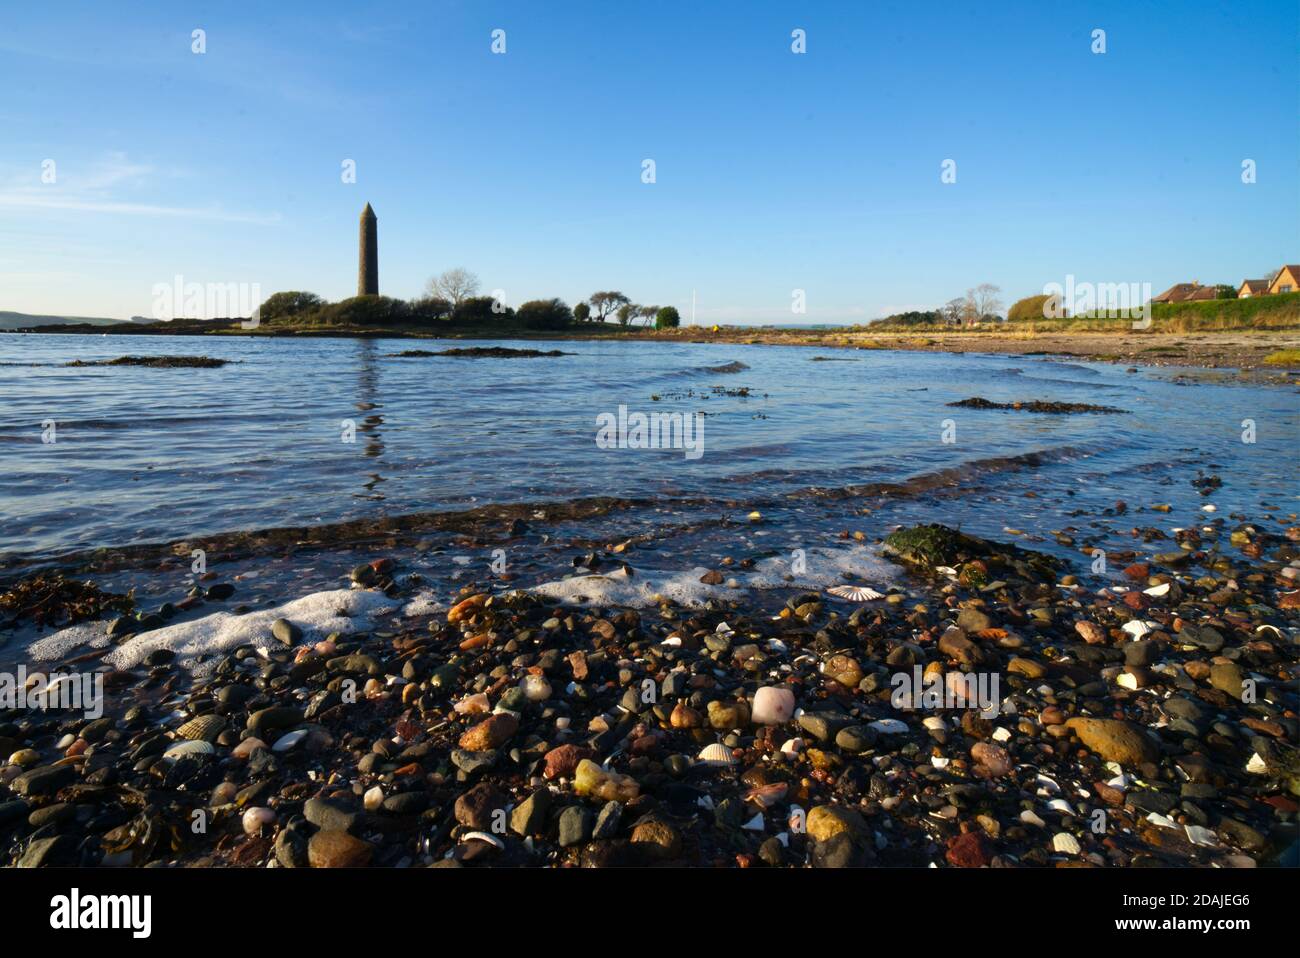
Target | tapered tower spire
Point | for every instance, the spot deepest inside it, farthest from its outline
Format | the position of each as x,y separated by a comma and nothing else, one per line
368,267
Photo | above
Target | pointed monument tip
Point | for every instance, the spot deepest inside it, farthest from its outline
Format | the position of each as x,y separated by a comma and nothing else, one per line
368,211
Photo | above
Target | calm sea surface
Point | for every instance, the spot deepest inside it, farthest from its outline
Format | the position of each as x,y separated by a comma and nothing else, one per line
156,455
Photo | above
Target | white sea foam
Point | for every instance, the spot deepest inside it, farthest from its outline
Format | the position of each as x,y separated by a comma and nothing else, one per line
822,567
317,615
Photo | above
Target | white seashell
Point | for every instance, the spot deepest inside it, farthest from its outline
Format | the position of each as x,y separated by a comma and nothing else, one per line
1161,820
705,802
855,593
945,569
716,755
938,762
66,741
792,746
1061,805
1065,842
723,629
1273,628
1120,781
373,799
289,740
1126,681
1199,835
888,726
1000,734
255,818
188,747
1136,628
1048,786
776,645
1029,818
1158,590
1256,765
483,837
673,640
934,722
756,824
1209,507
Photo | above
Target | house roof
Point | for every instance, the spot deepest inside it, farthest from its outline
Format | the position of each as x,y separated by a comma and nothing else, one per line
1293,270
1202,292
1176,293
1254,285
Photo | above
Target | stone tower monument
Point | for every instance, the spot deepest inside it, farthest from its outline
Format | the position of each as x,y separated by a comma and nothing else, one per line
368,267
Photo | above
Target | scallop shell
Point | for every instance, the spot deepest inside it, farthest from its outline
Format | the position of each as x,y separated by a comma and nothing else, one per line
855,593
1158,590
189,747
203,728
716,754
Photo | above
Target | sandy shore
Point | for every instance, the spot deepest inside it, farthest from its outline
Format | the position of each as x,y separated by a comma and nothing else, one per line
1236,350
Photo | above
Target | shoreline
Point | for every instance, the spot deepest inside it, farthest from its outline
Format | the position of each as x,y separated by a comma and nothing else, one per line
386,726
1244,350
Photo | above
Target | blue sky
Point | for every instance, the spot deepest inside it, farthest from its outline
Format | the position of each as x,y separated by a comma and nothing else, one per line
774,171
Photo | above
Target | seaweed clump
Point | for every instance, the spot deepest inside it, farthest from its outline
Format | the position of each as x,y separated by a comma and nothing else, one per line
50,599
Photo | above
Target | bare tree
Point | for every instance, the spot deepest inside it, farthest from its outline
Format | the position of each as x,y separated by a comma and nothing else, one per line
983,301
648,313
953,311
454,285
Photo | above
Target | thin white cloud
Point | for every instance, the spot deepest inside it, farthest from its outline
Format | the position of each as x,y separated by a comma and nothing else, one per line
97,189
53,202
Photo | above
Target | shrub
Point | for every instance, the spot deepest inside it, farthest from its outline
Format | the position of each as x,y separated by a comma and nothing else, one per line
667,318
370,310
429,309
477,311
289,303
582,312
545,314
1028,309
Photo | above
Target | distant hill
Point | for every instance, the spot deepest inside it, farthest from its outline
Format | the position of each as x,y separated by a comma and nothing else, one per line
10,320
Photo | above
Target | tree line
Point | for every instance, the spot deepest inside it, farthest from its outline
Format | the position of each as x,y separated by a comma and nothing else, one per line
451,299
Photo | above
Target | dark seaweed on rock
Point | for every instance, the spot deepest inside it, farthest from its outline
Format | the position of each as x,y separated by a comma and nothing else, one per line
499,352
156,362
1036,405
933,545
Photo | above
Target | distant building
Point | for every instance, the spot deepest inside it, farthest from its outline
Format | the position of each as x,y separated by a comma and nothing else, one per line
1286,281
1182,292
1252,287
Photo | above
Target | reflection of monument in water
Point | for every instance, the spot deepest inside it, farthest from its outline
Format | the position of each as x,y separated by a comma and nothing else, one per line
368,265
